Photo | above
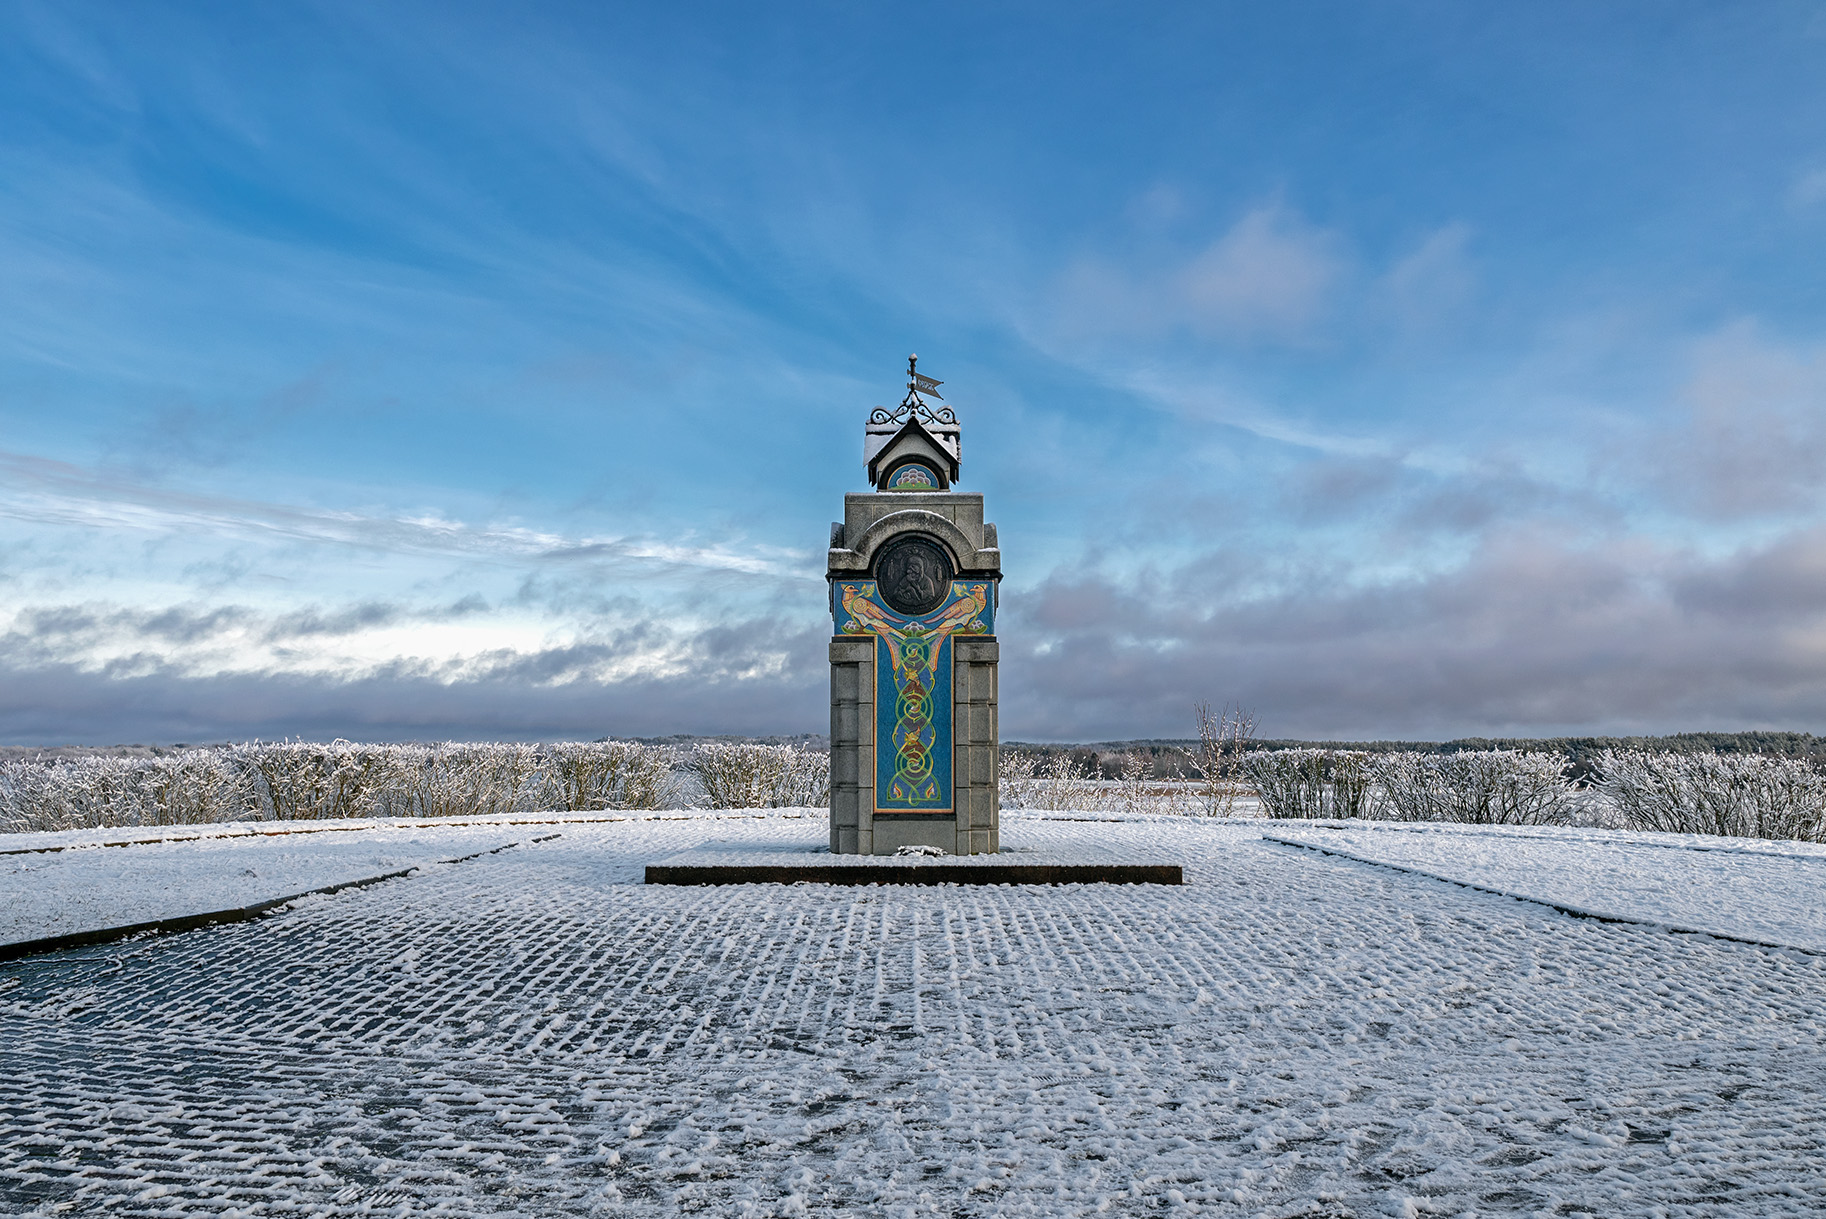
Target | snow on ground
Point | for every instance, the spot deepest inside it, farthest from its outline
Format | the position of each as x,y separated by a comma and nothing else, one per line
54,884
58,893
1772,892
535,1032
58,840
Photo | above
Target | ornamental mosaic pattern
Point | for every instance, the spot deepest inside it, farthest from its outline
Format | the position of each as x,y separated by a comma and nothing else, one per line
913,690
912,478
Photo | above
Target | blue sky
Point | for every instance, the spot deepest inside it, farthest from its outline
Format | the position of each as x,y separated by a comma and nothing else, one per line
467,370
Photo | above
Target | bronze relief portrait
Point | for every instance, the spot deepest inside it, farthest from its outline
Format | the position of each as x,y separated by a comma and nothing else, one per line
914,574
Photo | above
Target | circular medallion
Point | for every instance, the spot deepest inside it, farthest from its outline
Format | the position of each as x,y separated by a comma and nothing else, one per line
914,574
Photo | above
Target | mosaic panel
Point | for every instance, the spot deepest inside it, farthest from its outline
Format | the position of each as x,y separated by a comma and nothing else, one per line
913,675
912,478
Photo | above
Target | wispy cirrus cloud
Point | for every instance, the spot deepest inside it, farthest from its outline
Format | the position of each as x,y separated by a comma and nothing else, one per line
181,600
237,670
1270,277
43,491
1430,285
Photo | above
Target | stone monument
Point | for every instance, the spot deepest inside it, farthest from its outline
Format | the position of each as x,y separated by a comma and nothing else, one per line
914,572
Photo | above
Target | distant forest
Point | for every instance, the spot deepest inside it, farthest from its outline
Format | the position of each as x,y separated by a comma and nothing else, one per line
1105,758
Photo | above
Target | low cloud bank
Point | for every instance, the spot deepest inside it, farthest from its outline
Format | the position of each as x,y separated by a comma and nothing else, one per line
62,704
1532,636
643,680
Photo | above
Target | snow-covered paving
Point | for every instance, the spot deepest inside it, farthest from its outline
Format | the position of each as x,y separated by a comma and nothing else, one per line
72,881
42,896
1288,1033
1770,892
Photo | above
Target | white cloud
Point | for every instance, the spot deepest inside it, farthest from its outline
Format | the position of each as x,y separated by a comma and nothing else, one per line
45,492
1754,441
1270,277
1425,286
1809,190
1534,634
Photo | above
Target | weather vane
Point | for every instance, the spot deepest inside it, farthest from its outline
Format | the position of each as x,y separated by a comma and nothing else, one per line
920,384
914,405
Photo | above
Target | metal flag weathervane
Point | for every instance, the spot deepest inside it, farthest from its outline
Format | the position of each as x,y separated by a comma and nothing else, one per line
914,405
919,383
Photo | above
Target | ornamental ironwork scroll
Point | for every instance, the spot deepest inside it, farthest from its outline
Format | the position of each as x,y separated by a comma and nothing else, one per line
913,407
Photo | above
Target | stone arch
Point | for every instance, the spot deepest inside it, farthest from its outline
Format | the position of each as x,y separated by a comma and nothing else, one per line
916,520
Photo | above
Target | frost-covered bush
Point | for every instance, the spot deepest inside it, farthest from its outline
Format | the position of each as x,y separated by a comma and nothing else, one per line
1134,791
762,776
310,781
1059,784
1070,783
459,780
195,786
807,781
594,775
1220,763
299,780
1016,778
1477,787
1744,795
1023,779
1307,783
1490,787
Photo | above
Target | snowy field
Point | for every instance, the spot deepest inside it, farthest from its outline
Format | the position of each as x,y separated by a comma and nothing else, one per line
1290,1033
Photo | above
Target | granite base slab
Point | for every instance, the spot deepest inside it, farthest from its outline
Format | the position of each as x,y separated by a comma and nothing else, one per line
720,866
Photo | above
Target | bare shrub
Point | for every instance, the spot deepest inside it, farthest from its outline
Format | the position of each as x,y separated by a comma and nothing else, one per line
1310,783
307,781
1475,787
807,781
1059,783
588,776
457,780
1223,740
195,786
1742,795
762,776
297,780
1018,780
1133,794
